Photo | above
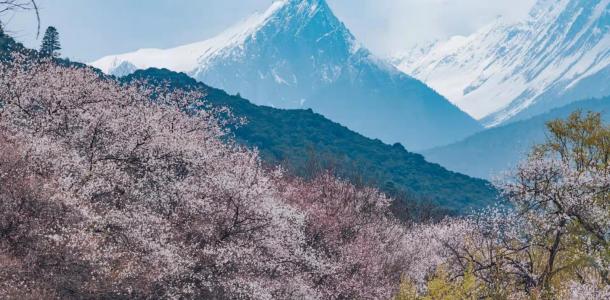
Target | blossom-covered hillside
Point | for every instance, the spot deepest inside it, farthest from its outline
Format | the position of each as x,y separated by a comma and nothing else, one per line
104,192
301,140
128,191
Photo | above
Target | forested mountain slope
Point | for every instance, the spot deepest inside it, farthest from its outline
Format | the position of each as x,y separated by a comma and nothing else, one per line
298,138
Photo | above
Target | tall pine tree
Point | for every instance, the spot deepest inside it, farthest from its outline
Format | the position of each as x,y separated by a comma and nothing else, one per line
50,43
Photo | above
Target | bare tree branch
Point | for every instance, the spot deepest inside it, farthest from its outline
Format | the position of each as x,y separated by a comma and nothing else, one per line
16,5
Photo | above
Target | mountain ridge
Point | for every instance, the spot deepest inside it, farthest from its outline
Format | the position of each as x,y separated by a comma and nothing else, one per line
512,71
290,137
490,153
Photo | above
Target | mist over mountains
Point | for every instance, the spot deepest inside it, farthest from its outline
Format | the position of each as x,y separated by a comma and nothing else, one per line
491,153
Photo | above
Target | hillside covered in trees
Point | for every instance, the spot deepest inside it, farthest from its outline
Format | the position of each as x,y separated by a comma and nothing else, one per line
142,190
304,141
107,194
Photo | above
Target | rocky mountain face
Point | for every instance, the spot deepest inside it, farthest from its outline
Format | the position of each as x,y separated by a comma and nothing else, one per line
297,54
511,71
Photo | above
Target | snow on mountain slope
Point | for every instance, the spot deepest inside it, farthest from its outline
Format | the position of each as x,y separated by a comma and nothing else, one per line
186,58
299,55
499,72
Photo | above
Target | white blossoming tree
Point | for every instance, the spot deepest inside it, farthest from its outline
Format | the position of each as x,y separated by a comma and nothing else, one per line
111,190
553,240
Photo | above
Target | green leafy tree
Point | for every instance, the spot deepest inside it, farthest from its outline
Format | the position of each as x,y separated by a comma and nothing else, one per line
558,241
443,287
50,43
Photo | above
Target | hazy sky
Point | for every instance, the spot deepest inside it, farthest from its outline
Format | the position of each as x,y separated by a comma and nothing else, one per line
90,29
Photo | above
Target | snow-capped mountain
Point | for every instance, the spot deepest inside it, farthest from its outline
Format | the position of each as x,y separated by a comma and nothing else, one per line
506,72
297,54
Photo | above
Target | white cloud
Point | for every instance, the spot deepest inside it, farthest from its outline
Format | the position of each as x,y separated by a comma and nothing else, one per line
390,25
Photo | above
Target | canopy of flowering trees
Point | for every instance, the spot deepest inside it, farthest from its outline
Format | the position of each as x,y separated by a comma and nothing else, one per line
105,192
553,242
123,191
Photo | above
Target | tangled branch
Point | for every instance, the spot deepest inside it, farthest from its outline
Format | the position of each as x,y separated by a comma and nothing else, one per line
15,5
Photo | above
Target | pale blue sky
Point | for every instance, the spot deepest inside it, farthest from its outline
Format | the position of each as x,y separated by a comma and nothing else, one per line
90,29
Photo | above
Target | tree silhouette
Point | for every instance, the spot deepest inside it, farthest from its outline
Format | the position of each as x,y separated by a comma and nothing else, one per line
50,43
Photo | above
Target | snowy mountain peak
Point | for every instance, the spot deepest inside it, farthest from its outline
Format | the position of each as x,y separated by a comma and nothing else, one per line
307,6
301,46
507,71
312,19
283,16
298,54
188,57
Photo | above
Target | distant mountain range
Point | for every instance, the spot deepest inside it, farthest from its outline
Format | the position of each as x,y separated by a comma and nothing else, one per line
297,54
512,71
489,153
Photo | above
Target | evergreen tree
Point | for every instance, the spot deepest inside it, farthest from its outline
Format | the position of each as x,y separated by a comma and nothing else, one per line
50,43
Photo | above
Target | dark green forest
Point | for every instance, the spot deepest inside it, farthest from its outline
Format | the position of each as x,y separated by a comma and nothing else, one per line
304,141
